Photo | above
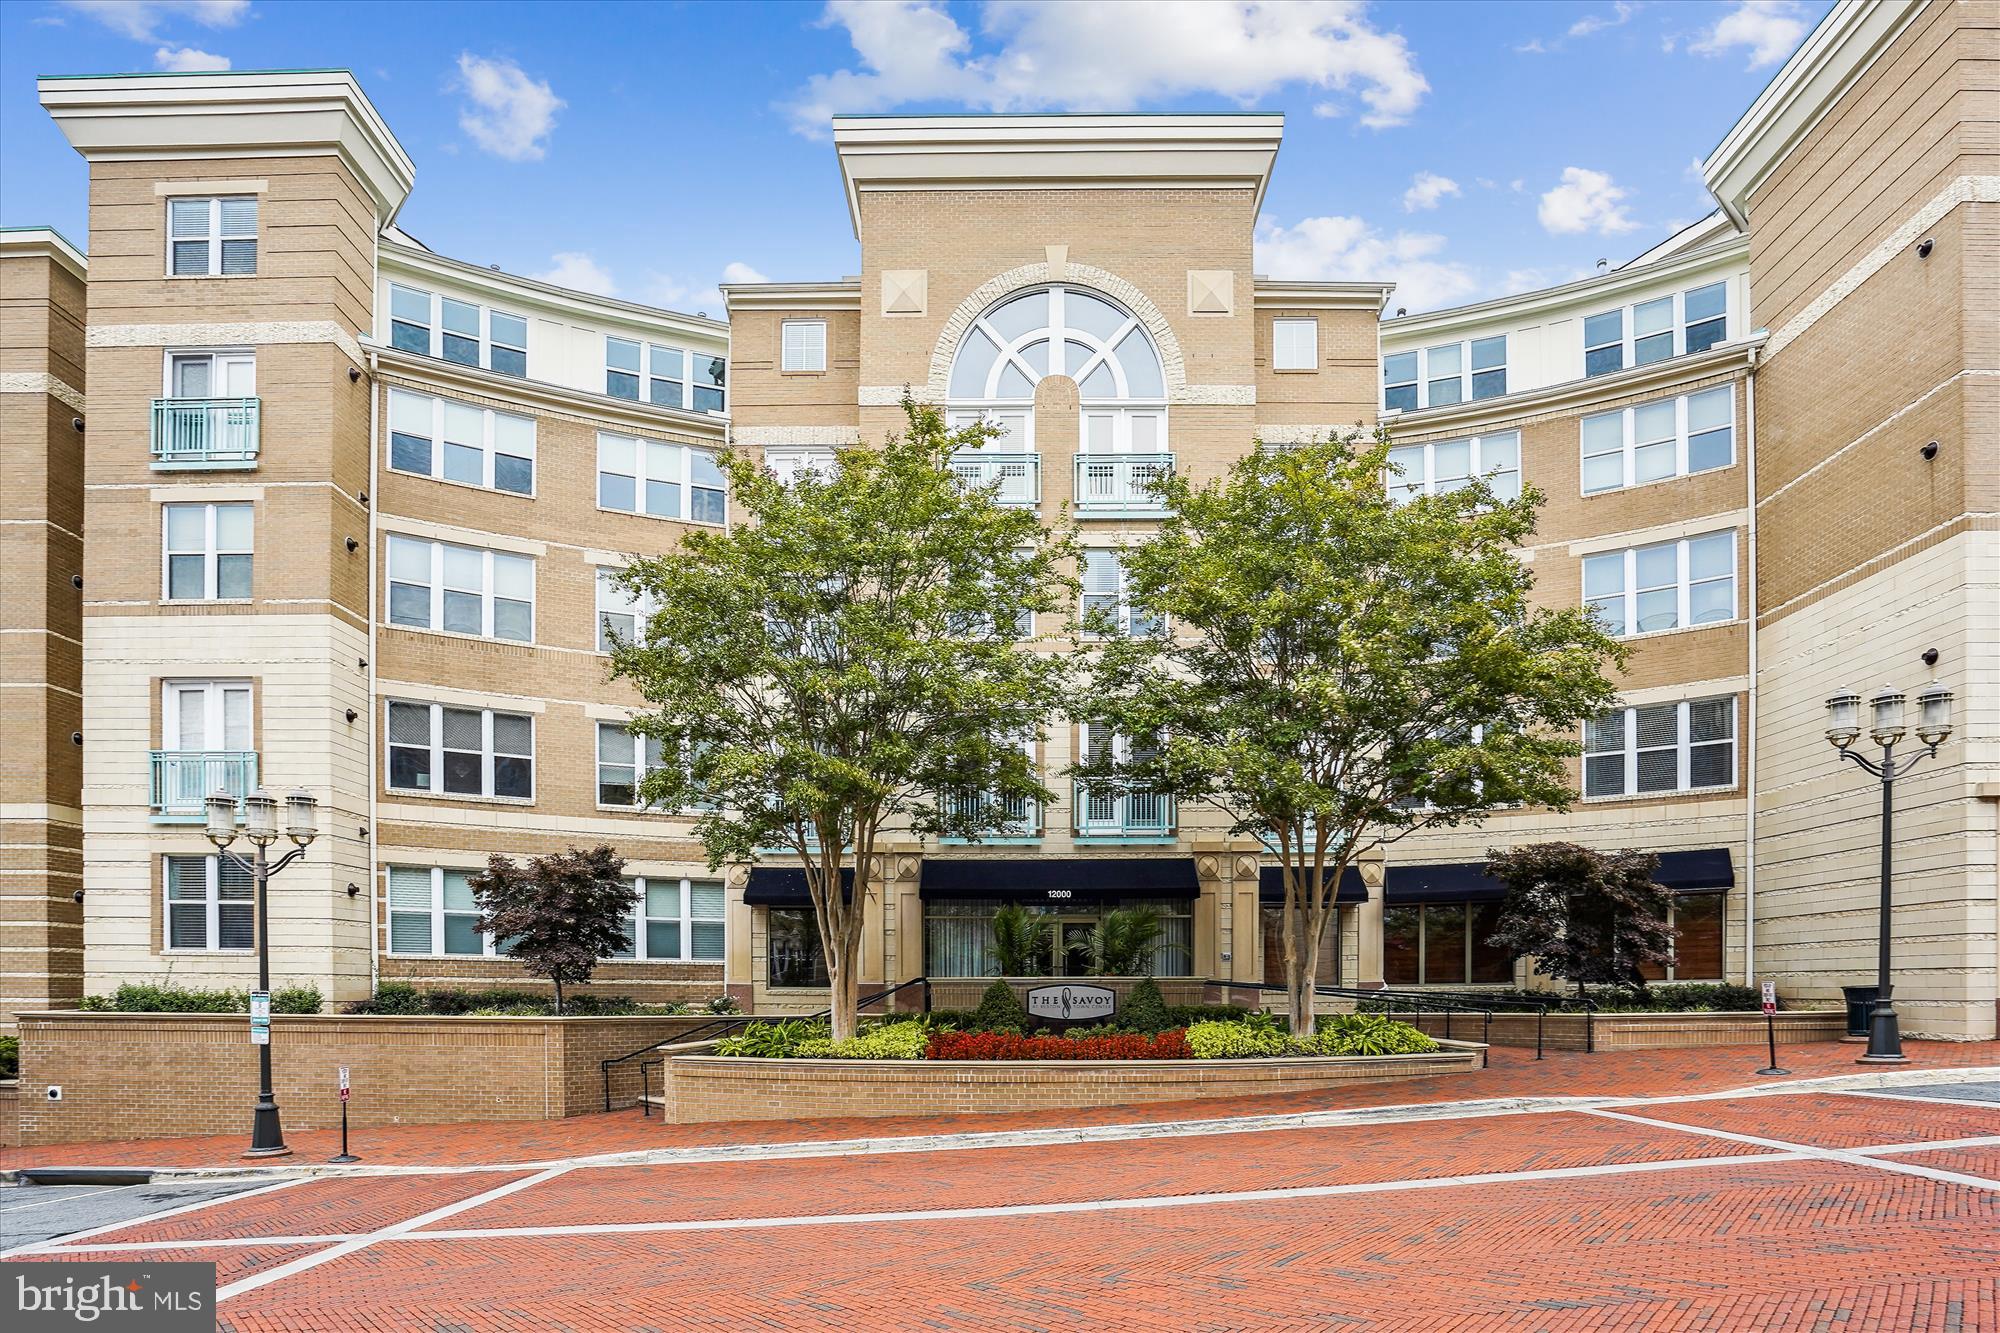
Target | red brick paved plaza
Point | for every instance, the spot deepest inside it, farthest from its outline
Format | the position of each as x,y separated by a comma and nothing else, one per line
1702,1198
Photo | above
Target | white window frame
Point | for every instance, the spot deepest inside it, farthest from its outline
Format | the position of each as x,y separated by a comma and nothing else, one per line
642,447
1683,747
1417,383
211,553
487,592
436,911
641,608
220,361
436,748
1682,435
655,360
1465,374
212,902
215,235
1124,607
435,329
1295,343
638,919
215,713
1683,585
489,444
1678,326
804,353
1017,423
640,768
787,464
1427,482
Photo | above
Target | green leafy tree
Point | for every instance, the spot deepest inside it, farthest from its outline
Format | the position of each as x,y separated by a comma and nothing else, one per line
559,913
1341,668
1585,916
843,660
1021,941
1121,943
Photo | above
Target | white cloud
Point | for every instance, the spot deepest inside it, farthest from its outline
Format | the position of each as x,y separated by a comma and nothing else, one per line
185,59
1427,189
1334,249
1769,28
1585,200
576,270
1532,47
507,113
738,271
1092,55
141,20
1590,23
701,297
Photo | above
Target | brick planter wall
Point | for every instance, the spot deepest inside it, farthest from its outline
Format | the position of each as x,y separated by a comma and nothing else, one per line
708,1087
147,1075
1639,1032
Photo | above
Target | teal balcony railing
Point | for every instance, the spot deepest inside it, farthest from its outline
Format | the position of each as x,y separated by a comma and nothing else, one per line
205,433
1120,482
183,779
1108,814
1023,815
1019,475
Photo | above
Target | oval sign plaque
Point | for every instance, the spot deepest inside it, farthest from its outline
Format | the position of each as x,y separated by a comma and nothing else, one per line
1072,1002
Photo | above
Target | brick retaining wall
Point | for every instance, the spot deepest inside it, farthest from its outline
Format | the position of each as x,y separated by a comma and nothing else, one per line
152,1075
1639,1032
706,1087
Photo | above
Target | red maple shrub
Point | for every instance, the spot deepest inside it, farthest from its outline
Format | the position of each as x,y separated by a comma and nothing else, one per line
1170,1045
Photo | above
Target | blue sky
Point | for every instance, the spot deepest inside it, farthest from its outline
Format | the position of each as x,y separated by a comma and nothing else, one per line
651,150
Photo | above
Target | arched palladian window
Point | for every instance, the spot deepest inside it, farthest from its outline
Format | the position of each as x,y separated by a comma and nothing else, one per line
1062,330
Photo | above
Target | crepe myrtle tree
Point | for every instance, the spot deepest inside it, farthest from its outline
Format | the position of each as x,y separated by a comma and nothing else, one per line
559,913
845,659
1584,916
1340,669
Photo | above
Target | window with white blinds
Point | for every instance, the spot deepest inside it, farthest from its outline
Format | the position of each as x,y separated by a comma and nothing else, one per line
1673,747
462,589
212,237
803,344
1105,591
461,751
675,921
1668,585
454,441
433,911
1295,344
210,904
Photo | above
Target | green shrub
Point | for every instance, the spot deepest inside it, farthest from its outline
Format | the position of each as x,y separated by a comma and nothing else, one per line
999,1010
1367,1034
773,1041
10,1057
1235,1041
296,1000
724,1004
1145,1009
143,998
391,997
1187,1015
895,1041
1666,998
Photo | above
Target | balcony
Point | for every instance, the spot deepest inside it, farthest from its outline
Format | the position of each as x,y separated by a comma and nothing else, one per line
1023,817
204,434
1120,484
183,779
1145,815
1019,475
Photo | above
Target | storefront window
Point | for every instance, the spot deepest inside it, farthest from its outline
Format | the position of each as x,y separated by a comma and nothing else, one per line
792,949
1328,971
1697,929
958,936
1443,944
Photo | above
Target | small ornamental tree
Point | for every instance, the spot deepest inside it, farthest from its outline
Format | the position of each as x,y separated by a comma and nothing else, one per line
844,660
1586,916
1339,667
560,913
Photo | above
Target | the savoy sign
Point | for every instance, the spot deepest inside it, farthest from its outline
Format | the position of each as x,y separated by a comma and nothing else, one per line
1072,1002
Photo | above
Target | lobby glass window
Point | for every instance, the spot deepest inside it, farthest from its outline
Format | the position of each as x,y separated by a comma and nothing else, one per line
1654,748
802,345
1295,344
1399,382
1105,590
1441,466
664,480
1669,585
433,912
622,760
1327,972
1489,366
1432,944
958,937
1696,920
447,440
1604,343
463,589
210,905
792,952
214,237
1670,437
450,751
1173,953
209,549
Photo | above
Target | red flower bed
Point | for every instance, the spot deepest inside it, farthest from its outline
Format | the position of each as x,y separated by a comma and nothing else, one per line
1012,1046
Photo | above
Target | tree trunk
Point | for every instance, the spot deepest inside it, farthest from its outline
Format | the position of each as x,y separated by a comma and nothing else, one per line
1301,973
559,999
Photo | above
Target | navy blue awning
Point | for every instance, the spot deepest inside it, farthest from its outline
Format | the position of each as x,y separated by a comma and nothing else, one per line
785,886
1703,871
1271,886
1059,879
1707,870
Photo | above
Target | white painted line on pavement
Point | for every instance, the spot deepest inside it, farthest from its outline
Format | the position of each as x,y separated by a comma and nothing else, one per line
199,1204
1809,1150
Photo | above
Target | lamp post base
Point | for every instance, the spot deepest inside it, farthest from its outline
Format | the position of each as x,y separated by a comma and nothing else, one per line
267,1137
280,1151
1885,1038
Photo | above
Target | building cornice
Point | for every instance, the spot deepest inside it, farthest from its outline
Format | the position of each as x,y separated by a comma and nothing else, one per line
1281,292
537,396
233,114
1734,250
842,295
1577,394
47,243
515,289
1839,51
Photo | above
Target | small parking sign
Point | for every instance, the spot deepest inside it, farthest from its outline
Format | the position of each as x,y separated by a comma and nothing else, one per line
1770,997
260,1018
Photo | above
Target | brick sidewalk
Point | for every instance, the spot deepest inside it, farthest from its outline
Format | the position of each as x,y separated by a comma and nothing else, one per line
1512,1073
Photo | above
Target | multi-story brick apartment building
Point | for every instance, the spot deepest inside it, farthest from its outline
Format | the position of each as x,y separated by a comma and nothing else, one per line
384,483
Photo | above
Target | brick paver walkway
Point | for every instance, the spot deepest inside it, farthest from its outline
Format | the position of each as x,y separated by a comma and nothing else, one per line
1769,1209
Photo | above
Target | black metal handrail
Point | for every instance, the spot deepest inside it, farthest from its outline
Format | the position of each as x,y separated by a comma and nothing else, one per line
1446,1003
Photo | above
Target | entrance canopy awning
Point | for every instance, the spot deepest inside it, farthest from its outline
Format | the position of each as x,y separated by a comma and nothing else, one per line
1059,879
1271,886
1707,870
785,886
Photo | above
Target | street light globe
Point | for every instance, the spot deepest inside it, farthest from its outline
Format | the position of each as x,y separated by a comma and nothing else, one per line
221,807
300,822
1885,709
1933,713
1843,718
260,818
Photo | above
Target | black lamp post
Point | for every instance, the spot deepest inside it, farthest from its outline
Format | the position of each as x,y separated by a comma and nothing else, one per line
1886,728
260,826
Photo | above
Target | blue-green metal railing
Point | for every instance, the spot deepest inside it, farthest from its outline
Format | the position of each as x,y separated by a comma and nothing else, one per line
198,433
